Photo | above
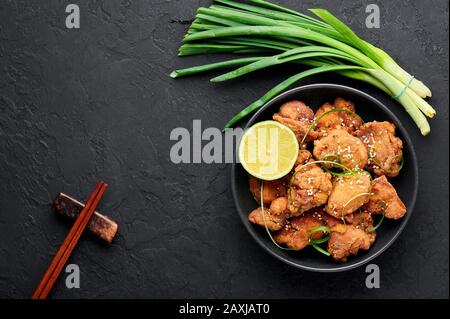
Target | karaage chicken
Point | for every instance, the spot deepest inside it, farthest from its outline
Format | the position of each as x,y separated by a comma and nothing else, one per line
275,216
348,194
298,117
340,144
310,188
328,197
384,199
347,119
297,232
271,191
383,147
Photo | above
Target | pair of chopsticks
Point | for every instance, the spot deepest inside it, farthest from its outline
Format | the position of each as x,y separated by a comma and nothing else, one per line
64,252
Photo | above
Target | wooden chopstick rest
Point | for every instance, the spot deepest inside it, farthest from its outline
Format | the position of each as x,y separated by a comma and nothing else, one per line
102,226
69,244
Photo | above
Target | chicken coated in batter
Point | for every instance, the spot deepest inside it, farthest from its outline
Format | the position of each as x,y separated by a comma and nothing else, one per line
297,232
271,191
304,156
314,194
310,188
325,218
348,194
346,240
298,117
363,220
350,150
385,199
347,120
384,148
275,216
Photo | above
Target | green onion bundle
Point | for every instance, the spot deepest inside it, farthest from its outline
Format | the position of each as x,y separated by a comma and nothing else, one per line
277,35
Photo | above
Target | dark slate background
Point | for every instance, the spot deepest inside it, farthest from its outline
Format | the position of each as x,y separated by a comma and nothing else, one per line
80,105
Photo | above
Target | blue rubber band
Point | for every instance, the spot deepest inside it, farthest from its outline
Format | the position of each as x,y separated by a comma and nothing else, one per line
399,94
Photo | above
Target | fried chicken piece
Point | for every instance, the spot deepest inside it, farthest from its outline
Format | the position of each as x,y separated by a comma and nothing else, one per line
296,110
326,218
363,220
360,219
272,189
297,232
341,103
348,194
275,215
385,199
350,149
310,188
346,120
298,117
304,156
346,240
384,148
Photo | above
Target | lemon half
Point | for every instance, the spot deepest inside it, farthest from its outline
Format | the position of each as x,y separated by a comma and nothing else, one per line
268,150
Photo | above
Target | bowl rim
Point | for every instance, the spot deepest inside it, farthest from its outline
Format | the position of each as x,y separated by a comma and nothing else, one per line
406,138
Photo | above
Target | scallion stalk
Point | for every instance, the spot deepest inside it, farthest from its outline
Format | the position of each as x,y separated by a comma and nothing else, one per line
213,66
288,36
282,87
379,56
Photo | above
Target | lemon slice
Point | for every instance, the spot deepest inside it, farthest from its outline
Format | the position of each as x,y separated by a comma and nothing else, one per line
268,150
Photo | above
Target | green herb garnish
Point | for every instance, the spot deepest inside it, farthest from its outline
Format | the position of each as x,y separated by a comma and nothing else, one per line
316,242
280,35
370,230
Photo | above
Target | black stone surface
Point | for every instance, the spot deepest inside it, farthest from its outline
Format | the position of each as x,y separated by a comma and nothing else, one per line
80,105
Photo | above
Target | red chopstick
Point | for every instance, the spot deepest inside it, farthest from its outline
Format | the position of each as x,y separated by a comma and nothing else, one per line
69,244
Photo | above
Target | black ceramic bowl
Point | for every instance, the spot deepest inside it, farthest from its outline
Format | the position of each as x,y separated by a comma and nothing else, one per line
406,183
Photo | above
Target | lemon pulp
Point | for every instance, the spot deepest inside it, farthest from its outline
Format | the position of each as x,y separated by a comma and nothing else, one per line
268,150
